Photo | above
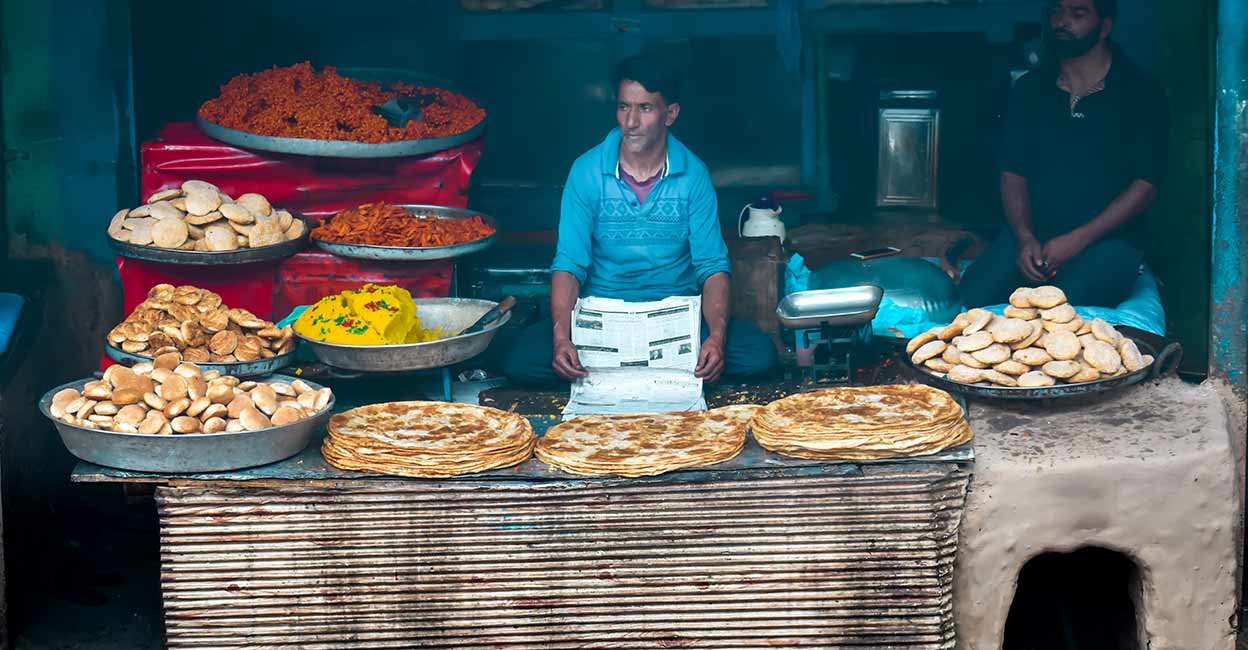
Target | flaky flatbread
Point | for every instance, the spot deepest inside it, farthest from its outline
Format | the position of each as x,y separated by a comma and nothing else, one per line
645,445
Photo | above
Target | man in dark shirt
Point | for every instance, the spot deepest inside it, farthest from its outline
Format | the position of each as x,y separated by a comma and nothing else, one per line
1083,156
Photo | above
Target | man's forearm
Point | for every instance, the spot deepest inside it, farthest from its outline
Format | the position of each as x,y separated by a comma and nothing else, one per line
1016,202
1125,207
716,302
564,290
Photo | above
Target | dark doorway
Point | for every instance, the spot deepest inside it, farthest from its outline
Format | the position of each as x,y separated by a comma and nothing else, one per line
1082,600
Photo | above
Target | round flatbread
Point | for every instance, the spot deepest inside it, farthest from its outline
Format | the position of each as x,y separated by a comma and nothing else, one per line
1011,330
1132,360
1062,313
1046,297
427,439
969,360
1106,332
955,328
993,354
1072,327
1103,357
952,355
1036,332
1021,313
979,320
999,378
1061,369
928,350
1036,379
966,375
921,340
1062,346
976,341
1032,357
1021,298
940,366
1085,375
1012,368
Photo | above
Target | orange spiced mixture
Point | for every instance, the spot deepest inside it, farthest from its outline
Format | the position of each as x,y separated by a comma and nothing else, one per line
379,224
299,102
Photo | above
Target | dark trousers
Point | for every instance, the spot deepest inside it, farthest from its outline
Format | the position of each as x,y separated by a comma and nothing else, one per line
1101,276
527,361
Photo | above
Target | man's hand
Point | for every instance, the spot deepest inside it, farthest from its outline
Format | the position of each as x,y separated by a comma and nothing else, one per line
711,359
1031,260
566,362
1059,250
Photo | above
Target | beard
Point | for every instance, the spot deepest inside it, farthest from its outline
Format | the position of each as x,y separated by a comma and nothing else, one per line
1071,48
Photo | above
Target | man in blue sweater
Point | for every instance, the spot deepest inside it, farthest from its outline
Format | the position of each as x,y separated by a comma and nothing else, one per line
639,222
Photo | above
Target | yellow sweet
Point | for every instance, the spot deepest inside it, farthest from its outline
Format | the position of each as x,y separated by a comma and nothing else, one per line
370,315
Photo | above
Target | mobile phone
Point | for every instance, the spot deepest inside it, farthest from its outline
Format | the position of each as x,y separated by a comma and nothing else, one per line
874,253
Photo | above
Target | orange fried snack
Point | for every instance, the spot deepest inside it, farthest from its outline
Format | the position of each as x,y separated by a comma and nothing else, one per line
379,224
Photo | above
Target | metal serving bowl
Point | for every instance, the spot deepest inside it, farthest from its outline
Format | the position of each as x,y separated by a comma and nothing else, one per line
450,314
256,368
189,453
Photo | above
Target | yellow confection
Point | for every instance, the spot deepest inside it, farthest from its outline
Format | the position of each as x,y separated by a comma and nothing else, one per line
370,315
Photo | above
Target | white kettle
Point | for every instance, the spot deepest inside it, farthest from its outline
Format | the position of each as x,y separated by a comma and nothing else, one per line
764,219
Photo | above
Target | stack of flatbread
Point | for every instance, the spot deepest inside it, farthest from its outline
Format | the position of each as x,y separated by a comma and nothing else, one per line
427,439
645,445
862,423
1040,341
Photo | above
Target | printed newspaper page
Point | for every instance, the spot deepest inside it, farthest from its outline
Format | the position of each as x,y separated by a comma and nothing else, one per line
640,356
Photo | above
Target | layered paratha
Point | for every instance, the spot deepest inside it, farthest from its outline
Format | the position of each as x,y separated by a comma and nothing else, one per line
645,445
862,423
427,439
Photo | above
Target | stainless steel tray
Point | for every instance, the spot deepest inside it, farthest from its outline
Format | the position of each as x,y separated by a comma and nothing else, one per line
181,454
200,258
370,252
847,307
347,149
1164,363
240,369
451,314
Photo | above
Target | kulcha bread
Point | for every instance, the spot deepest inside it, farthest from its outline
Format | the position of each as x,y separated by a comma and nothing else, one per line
427,439
645,445
1049,343
862,423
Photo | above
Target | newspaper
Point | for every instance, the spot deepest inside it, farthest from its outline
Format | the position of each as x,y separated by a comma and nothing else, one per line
640,356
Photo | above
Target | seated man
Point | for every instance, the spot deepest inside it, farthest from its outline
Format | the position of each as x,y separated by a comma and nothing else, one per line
1084,153
639,221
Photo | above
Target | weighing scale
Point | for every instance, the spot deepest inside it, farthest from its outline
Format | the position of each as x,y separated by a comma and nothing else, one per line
835,325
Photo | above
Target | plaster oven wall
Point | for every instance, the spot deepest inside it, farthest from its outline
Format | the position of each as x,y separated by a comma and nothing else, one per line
1151,473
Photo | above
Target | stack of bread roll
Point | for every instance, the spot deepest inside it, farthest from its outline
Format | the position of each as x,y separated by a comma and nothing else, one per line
1039,341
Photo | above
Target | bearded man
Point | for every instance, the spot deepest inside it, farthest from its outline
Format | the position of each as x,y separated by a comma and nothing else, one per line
1083,156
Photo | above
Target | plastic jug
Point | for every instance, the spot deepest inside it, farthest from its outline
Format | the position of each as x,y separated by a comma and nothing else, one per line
764,219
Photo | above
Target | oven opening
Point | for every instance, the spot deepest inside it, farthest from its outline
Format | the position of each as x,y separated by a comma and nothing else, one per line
1083,600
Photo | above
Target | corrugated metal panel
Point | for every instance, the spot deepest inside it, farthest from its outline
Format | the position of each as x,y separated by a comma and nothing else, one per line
784,561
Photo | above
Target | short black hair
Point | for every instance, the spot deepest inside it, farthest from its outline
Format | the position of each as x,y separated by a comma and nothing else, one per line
655,74
1106,8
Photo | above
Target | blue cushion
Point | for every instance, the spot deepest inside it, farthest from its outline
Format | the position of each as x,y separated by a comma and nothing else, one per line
10,311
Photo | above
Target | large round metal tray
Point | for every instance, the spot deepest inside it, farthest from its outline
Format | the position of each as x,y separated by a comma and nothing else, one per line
200,258
1165,362
451,314
348,149
193,453
401,253
239,369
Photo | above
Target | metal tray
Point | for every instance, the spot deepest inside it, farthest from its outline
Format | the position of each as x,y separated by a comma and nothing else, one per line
847,307
181,454
1166,362
371,252
452,314
200,258
240,369
348,149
